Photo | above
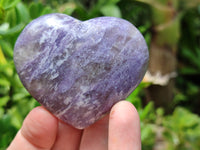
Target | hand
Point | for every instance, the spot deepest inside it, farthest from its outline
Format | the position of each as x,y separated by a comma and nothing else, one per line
120,130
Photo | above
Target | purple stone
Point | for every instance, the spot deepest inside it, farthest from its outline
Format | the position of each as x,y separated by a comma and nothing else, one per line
79,70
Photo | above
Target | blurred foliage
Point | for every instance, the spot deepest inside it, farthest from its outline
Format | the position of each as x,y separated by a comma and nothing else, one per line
180,130
190,43
188,82
182,133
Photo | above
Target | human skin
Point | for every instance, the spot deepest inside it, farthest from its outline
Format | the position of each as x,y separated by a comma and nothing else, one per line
118,130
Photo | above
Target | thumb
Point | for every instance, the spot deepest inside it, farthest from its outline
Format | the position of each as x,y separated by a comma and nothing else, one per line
38,131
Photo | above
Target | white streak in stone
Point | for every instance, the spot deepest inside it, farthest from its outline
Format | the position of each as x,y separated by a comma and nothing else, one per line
53,22
67,100
84,88
61,61
53,76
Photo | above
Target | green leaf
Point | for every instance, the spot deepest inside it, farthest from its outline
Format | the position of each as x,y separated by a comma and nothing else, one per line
188,71
21,95
4,82
148,112
22,13
172,137
17,118
2,14
188,4
6,48
192,57
7,4
12,31
113,1
111,10
11,17
2,57
4,100
35,9
7,131
67,8
47,10
148,135
6,70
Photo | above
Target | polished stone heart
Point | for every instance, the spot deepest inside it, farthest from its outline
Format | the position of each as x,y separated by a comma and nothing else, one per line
79,70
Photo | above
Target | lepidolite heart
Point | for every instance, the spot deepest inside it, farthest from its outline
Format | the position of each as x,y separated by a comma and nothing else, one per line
79,70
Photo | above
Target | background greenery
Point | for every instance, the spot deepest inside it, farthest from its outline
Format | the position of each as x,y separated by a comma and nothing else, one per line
178,129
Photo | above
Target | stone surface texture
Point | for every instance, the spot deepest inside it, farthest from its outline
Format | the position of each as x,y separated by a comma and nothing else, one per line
79,69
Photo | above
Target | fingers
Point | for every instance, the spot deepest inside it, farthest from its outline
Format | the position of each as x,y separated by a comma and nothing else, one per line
38,131
95,137
124,127
68,138
123,132
41,131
